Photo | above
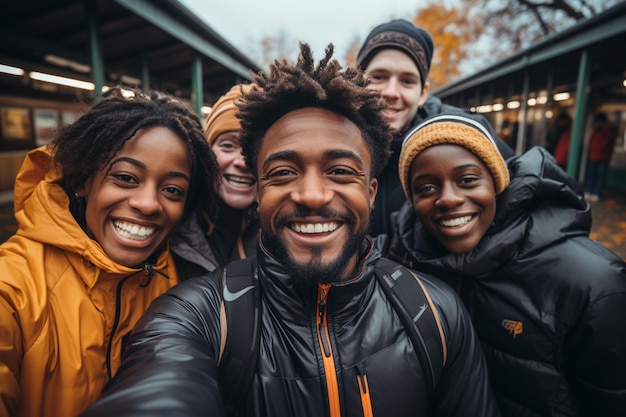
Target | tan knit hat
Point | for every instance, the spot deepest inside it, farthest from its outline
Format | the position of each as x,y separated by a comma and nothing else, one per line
223,114
465,129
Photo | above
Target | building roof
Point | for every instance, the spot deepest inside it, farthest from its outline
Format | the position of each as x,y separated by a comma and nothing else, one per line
162,36
603,36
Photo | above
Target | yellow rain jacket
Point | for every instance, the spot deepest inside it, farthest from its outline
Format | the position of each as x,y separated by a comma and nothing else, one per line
65,306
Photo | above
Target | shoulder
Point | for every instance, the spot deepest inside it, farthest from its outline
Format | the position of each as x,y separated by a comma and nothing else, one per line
437,292
28,263
442,295
584,263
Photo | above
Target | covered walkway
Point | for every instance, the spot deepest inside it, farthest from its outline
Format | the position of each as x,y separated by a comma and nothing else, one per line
581,71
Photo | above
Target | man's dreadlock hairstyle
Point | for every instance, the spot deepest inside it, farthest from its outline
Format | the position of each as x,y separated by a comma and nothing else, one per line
290,87
88,146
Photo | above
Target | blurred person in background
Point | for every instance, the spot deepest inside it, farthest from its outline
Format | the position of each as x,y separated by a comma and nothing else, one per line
209,240
600,150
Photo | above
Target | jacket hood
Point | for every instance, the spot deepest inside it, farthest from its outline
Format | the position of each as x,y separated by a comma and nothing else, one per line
43,215
36,167
542,206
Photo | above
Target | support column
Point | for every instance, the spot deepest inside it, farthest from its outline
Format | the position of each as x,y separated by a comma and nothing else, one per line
97,62
520,144
546,127
580,109
196,83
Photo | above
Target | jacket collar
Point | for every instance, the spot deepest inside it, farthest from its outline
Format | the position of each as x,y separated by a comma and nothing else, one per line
288,295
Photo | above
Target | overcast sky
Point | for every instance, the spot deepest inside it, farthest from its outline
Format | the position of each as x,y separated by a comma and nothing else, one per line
317,22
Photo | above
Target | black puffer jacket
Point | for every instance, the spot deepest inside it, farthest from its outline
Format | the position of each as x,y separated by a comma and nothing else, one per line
390,196
548,303
171,365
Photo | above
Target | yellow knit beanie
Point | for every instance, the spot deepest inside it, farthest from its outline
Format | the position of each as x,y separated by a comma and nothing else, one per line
223,114
468,130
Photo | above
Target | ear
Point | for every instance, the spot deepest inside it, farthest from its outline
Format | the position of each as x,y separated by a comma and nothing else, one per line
425,92
373,191
83,191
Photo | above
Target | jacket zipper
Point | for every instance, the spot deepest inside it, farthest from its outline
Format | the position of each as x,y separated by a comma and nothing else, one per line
327,351
150,272
364,390
116,321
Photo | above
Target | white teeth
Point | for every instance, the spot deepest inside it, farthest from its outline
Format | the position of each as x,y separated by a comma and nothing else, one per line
133,231
455,222
315,227
239,181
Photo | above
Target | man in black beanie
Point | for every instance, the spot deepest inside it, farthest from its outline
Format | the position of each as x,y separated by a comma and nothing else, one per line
396,56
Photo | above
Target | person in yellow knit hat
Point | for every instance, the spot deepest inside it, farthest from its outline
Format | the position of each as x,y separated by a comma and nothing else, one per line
513,240
209,240
94,211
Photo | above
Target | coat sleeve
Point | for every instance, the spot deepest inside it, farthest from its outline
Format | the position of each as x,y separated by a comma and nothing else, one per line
464,387
21,319
595,354
170,365
10,356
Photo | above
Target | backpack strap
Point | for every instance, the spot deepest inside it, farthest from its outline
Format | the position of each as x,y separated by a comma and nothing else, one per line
238,349
418,313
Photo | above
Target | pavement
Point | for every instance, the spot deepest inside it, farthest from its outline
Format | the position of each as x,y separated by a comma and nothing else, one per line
608,226
609,221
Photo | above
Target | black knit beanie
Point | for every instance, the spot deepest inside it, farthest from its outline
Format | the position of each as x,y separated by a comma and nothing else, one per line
402,35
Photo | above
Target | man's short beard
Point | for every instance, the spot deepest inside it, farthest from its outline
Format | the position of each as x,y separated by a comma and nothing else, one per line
314,272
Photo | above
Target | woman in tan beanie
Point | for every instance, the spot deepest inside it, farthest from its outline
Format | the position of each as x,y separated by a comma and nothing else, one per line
512,239
210,240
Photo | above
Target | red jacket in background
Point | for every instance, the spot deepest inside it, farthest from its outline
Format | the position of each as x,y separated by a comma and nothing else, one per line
562,148
601,143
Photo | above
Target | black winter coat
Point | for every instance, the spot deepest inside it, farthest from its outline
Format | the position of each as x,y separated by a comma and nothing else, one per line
546,300
170,367
390,196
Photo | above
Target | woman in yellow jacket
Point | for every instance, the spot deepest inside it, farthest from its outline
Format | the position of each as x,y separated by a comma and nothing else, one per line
95,209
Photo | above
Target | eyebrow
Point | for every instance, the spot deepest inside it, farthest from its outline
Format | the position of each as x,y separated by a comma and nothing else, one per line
139,164
282,155
456,168
331,154
343,153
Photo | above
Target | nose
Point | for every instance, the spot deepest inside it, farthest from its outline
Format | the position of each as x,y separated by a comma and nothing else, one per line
390,90
240,161
449,197
145,200
311,191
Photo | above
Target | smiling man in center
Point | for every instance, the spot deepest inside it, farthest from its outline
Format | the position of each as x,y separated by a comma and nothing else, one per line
316,199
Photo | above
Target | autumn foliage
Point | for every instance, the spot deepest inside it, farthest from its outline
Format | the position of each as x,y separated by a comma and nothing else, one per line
454,34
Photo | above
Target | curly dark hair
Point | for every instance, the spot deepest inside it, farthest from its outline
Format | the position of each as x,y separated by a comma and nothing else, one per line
289,87
87,146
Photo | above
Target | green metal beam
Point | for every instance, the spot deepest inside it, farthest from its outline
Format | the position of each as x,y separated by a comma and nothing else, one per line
97,62
549,93
196,83
580,109
520,145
